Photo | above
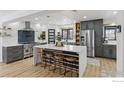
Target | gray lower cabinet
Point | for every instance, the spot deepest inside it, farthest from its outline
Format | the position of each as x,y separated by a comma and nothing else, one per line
98,51
109,51
12,53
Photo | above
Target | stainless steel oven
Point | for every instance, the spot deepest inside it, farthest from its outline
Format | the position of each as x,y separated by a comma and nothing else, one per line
28,50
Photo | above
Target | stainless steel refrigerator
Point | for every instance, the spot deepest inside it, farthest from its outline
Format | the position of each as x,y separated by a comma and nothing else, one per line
87,39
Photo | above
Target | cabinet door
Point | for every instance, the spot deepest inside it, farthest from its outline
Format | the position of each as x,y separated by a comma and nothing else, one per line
90,25
84,25
98,27
106,51
114,51
110,51
98,51
13,53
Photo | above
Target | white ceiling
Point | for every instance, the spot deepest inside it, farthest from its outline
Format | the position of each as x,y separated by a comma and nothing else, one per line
6,15
62,17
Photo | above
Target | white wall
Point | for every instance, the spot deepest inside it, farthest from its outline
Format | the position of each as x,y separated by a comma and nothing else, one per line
13,39
120,44
0,47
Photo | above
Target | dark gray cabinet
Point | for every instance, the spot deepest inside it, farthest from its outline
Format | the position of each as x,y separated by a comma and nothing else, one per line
87,25
109,51
97,26
12,53
90,25
84,25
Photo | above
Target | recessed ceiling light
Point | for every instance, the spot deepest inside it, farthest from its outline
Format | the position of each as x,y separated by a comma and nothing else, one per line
113,23
38,25
84,17
36,18
15,23
115,12
74,21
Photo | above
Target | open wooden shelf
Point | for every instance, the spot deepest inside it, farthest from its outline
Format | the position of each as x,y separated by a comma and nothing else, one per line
77,33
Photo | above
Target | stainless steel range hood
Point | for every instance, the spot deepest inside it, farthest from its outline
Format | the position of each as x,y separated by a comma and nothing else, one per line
28,26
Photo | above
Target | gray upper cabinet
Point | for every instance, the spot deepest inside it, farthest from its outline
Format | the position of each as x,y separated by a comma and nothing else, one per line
84,25
87,25
90,25
97,26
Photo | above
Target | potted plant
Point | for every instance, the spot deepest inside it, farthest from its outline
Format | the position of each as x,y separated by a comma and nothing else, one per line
58,38
41,37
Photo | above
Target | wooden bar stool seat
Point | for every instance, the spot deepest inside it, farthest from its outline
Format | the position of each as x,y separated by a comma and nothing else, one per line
70,59
58,61
71,64
47,58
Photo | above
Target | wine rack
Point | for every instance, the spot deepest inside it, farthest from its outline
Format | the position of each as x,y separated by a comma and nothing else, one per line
77,33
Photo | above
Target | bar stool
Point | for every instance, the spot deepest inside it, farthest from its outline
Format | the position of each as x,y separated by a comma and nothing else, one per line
47,58
71,64
58,61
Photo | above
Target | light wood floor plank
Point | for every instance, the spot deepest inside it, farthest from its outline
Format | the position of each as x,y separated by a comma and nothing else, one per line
25,68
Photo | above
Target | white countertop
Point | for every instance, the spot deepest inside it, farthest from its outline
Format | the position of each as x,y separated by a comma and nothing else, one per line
109,44
9,45
72,48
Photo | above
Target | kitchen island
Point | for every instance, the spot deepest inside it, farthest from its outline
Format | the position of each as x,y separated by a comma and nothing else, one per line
80,50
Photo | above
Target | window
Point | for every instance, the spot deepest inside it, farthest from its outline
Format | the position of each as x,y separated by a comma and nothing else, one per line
67,34
110,33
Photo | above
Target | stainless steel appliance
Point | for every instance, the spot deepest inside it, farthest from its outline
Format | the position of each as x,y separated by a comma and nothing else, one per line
87,39
28,50
27,34
26,37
